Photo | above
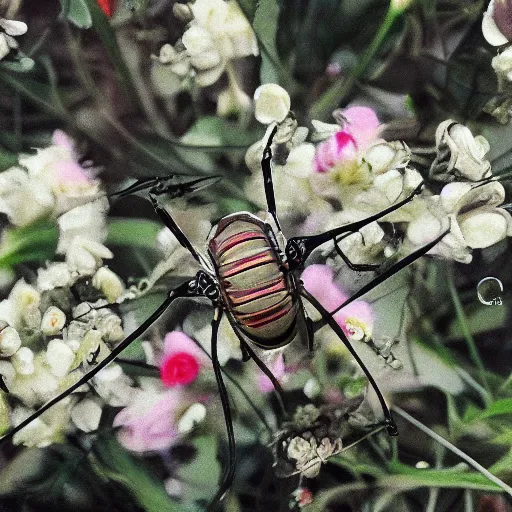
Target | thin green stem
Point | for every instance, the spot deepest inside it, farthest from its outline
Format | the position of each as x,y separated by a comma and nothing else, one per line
338,91
454,449
461,317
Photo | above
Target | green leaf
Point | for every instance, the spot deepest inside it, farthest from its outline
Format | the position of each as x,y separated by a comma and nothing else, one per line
133,232
202,475
265,26
497,408
7,159
77,12
131,472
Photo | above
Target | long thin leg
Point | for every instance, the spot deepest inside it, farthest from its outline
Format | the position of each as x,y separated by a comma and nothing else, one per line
299,248
266,166
356,267
229,473
328,318
391,271
182,291
170,223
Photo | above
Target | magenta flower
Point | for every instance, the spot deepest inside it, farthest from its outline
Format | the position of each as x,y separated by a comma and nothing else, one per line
360,130
354,318
149,421
182,360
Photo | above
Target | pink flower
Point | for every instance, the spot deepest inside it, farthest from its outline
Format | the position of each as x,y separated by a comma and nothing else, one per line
182,360
68,171
148,423
278,370
361,128
319,282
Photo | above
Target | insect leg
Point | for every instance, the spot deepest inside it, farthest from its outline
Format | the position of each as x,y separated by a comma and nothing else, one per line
229,474
185,290
173,227
299,248
266,167
391,271
391,428
356,267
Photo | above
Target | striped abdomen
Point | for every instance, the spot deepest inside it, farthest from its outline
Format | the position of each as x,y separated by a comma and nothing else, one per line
257,292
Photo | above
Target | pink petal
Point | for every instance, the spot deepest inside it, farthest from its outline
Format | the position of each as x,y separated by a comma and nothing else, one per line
178,341
69,172
363,124
278,370
318,280
62,139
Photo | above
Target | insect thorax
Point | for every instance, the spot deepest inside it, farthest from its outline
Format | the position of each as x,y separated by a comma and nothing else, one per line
256,288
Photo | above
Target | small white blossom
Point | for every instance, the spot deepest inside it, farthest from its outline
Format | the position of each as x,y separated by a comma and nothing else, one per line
60,357
502,64
85,256
53,321
86,415
109,283
10,340
55,275
23,361
113,386
8,30
195,414
272,103
312,388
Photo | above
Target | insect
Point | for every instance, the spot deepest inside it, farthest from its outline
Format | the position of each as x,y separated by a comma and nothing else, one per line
253,280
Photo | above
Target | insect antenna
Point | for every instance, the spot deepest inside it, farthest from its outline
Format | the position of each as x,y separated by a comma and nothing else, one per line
229,474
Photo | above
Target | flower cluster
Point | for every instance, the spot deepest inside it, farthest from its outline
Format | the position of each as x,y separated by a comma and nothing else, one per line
51,334
353,174
217,33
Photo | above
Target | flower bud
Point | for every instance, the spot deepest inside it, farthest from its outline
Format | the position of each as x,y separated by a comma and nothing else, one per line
195,414
53,321
312,388
272,103
183,12
110,327
23,361
60,357
502,64
10,341
109,283
86,415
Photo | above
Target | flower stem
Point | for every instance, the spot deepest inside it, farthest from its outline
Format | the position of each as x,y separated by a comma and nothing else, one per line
453,449
338,91
461,316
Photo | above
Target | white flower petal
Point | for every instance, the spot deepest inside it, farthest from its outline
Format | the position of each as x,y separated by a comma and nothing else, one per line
86,415
483,228
490,30
13,27
272,103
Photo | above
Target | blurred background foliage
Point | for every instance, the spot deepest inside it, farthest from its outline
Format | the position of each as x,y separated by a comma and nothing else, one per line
95,78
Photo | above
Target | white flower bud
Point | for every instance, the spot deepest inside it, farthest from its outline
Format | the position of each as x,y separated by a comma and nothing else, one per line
197,40
299,448
10,341
23,361
183,12
85,256
272,103
312,388
86,415
109,283
195,414
502,64
13,27
53,321
483,228
110,327
60,357
56,275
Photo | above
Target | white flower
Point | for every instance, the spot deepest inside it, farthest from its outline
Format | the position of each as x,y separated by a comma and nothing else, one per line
49,428
85,256
476,221
502,64
384,156
272,103
109,326
23,361
10,28
109,283
55,275
23,199
86,221
490,30
86,414
10,341
195,414
53,321
312,388
459,154
60,357
113,386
